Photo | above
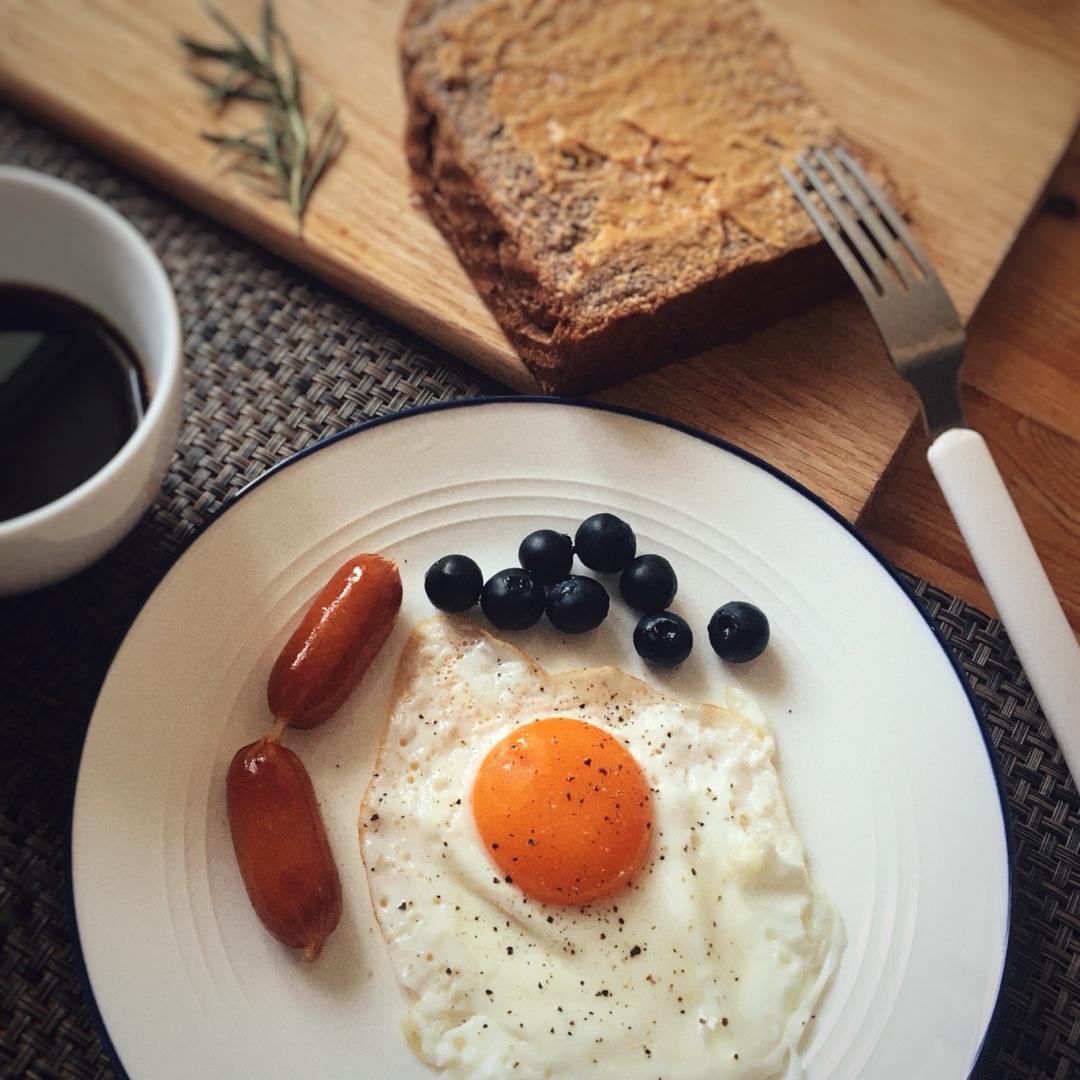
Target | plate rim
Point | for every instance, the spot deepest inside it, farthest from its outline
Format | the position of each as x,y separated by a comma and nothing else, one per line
977,715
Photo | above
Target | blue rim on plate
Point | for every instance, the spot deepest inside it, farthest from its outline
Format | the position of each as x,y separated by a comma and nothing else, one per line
995,1020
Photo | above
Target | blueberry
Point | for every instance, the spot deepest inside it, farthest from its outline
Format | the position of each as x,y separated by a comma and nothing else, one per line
513,599
648,584
604,542
547,555
577,604
664,639
738,632
453,583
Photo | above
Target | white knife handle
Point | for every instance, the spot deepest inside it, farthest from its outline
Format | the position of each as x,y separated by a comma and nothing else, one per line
1014,577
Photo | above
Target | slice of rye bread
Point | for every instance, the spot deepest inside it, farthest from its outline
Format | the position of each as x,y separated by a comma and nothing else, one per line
607,171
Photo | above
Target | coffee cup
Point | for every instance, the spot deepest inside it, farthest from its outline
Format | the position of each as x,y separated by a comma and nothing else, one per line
57,238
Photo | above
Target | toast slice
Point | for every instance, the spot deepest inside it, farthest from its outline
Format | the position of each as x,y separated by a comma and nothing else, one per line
607,173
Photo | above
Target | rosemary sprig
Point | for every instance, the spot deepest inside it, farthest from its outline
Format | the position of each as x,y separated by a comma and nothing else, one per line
286,155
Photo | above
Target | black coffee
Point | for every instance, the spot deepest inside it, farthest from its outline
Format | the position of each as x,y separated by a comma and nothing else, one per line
71,394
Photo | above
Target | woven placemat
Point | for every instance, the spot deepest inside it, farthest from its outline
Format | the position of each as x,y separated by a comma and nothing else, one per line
275,361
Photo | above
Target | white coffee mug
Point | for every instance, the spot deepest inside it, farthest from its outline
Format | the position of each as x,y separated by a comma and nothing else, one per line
54,236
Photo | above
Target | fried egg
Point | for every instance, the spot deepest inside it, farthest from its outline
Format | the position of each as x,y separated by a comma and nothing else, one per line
577,876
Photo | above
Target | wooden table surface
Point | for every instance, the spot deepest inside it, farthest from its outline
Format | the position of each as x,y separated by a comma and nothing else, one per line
1022,377
1022,372
969,102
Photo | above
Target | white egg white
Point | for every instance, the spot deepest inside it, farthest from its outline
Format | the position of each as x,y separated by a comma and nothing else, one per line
707,966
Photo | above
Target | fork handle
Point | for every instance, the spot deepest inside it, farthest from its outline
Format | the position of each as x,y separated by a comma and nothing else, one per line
1015,579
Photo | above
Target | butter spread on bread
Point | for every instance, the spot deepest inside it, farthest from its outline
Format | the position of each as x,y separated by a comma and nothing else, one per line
607,173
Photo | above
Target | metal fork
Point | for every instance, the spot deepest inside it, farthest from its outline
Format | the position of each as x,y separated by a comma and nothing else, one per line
924,339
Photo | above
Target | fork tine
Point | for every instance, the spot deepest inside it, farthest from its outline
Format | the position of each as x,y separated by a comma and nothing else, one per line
850,228
863,282
867,218
890,216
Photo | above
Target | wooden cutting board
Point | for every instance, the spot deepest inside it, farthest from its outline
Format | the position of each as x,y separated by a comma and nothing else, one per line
970,111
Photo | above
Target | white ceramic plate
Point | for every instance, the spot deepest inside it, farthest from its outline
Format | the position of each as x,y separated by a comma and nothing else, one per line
887,772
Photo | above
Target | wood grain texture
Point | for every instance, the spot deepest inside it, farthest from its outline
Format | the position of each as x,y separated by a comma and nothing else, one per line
1052,25
1022,380
825,402
970,114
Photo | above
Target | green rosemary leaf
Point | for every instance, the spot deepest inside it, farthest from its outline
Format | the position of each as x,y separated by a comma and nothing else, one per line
287,153
238,143
242,92
330,142
240,41
273,155
227,86
234,142
207,52
268,31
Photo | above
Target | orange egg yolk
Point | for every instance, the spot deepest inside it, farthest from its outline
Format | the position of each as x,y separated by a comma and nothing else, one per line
563,810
